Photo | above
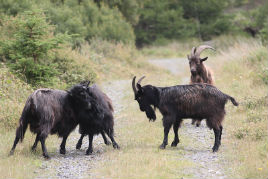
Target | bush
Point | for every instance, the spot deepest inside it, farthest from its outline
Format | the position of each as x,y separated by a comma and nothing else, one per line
161,20
34,73
88,21
28,47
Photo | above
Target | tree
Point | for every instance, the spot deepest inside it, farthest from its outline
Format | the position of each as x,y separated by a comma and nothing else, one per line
208,15
28,45
161,20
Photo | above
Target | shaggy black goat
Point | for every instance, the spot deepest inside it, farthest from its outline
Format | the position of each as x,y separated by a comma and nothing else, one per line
50,111
100,119
196,101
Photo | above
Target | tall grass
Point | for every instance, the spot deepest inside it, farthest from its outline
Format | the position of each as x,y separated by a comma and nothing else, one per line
182,48
13,94
242,72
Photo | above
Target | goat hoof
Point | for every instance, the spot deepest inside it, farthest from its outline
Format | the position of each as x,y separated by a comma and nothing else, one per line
116,146
108,143
78,146
46,156
62,151
174,144
215,149
33,148
11,153
88,152
162,146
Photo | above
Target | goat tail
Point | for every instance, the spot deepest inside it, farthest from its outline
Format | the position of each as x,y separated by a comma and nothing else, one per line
22,127
233,100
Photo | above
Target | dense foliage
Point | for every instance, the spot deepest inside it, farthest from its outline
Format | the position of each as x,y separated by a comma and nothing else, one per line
146,21
31,31
28,44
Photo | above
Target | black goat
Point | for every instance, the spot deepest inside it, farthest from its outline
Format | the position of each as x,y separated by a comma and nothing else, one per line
50,111
200,73
99,120
196,101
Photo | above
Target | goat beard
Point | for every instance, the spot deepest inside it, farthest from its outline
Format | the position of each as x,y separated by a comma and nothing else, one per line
150,113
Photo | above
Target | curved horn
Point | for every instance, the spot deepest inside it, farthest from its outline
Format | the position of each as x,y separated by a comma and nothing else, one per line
140,80
201,48
193,51
133,85
88,84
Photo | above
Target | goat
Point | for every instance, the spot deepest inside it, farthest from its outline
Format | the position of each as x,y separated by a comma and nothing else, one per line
51,111
100,119
197,101
199,72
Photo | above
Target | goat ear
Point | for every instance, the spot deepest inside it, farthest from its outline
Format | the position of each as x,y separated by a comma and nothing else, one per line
204,59
69,93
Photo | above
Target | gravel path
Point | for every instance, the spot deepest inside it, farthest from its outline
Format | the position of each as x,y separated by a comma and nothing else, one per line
75,164
201,139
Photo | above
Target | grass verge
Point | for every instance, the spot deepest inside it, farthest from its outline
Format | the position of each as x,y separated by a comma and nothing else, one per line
139,156
242,73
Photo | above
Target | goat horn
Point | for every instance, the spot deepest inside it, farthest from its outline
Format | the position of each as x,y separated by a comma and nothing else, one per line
133,85
88,83
201,48
193,51
140,80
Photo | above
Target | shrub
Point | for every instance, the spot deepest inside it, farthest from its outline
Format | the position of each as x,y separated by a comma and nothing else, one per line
28,47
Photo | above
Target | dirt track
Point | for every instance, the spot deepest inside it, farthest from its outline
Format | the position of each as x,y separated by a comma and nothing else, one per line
75,164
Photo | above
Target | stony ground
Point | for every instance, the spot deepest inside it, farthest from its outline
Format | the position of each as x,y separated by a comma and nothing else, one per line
75,164
201,139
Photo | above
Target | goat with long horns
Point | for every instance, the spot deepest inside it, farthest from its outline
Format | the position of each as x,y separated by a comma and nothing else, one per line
196,101
200,73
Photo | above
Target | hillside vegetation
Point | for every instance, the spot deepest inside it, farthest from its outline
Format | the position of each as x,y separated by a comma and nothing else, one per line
58,43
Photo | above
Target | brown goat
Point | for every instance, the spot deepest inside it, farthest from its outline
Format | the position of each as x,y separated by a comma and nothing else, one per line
199,72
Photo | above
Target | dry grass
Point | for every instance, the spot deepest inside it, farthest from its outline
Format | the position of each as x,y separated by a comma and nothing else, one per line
24,162
182,48
139,156
109,62
241,72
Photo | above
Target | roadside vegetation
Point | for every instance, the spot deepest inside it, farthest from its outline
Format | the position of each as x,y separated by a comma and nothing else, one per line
57,43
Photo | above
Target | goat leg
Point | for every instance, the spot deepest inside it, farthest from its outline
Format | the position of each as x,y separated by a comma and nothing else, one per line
176,126
14,145
111,136
217,140
221,128
90,148
44,149
167,127
79,143
35,142
62,145
105,139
